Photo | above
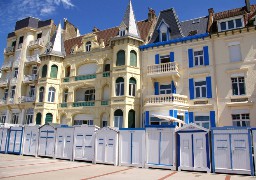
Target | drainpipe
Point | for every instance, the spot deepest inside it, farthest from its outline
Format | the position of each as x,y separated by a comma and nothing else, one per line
141,91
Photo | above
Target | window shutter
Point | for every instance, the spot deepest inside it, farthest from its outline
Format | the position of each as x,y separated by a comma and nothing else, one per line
173,88
212,119
156,85
191,117
190,58
48,118
171,113
171,56
209,87
191,88
147,118
206,56
157,59
186,118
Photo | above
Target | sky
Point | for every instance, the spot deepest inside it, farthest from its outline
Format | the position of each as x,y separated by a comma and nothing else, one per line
85,14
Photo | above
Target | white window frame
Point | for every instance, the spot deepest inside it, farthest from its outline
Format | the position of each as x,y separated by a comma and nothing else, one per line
13,89
51,94
201,94
165,90
3,118
238,87
122,32
118,119
234,44
32,90
88,46
16,72
90,96
120,84
132,89
41,94
65,96
29,117
15,118
34,70
200,123
242,118
198,57
81,122
6,91
230,19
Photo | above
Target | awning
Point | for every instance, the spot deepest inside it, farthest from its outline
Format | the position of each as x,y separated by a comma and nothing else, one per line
169,118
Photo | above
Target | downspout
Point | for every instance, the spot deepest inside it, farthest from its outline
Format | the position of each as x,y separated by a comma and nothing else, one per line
141,90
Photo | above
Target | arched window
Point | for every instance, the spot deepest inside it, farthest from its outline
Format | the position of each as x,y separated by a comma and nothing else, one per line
67,73
41,94
132,87
51,94
89,95
131,119
88,46
54,71
38,118
120,86
120,59
133,58
118,121
44,71
65,95
48,118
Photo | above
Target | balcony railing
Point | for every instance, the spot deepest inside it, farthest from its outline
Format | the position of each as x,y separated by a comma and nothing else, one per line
9,50
36,43
166,99
163,69
33,59
84,104
30,78
4,82
13,80
85,77
66,79
11,100
106,74
104,103
23,99
2,101
16,63
6,66
63,105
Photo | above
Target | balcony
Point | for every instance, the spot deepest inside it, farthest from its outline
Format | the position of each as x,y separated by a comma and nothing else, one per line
24,99
84,104
38,43
6,66
16,63
30,79
85,77
66,79
106,74
166,99
4,82
104,103
13,81
2,101
11,100
33,60
9,50
163,70
63,105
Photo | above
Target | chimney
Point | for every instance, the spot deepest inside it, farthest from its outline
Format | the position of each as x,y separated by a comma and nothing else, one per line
247,6
151,14
210,19
95,29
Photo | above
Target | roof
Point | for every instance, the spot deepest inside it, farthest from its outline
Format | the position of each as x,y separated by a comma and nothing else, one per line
191,127
171,19
194,26
31,22
108,128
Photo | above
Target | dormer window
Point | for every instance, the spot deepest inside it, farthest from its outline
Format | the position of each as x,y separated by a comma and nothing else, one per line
232,23
122,32
163,32
164,36
88,46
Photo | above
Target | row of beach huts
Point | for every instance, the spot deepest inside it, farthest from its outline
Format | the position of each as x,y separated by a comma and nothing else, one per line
191,147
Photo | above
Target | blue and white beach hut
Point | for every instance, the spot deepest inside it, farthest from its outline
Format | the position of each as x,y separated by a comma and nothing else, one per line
31,135
15,140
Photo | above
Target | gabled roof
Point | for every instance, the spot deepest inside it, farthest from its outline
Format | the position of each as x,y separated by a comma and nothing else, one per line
108,128
53,125
171,19
192,127
194,26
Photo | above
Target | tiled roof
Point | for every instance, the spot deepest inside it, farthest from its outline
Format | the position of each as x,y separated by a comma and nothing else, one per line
194,26
107,34
144,28
233,12
68,44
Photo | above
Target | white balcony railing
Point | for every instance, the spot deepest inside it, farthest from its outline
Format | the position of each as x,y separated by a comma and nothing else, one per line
2,101
11,100
13,80
16,63
162,68
33,59
166,99
9,50
30,78
26,99
36,43
4,82
7,65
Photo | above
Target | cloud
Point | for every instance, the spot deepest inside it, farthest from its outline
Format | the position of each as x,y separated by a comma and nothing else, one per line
13,10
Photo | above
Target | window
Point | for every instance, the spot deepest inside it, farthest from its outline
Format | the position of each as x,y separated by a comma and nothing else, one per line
122,32
5,94
44,71
118,121
67,71
89,95
32,91
39,35
104,120
29,119
54,71
88,46
165,59
199,58
13,91
157,121
132,87
119,86
38,118
13,43
235,54
120,60
231,24
3,118
238,86
104,123
203,121
133,58
165,89
34,70
41,94
16,71
21,40
107,68
65,97
81,122
241,120
15,118
51,94
200,87
48,118
164,36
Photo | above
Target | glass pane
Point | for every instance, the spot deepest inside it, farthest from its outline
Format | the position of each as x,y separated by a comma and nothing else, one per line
203,91
164,37
235,89
223,26
231,24
206,125
242,88
122,89
197,92
201,60
202,118
238,23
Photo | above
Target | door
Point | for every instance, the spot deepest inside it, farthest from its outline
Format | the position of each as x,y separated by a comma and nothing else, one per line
166,148
79,146
89,147
240,152
199,144
110,147
186,150
42,143
137,139
153,147
3,138
126,147
50,143
34,142
27,142
18,141
101,144
11,141
60,145
222,151
68,146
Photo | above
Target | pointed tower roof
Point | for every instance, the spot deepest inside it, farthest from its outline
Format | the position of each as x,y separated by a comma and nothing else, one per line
56,45
130,22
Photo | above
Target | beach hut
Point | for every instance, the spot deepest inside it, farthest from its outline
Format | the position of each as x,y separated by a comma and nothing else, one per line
4,133
132,147
160,147
232,150
106,146
84,142
31,135
15,139
193,148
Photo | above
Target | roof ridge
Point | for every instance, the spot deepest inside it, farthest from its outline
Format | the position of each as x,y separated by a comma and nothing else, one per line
194,19
234,9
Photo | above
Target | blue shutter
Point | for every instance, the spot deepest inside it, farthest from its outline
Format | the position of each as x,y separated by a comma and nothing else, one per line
206,56
147,118
173,88
209,87
157,59
171,56
191,117
175,114
190,58
186,118
156,85
191,88
212,119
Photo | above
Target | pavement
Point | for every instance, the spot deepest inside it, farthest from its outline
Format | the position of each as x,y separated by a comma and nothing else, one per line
31,168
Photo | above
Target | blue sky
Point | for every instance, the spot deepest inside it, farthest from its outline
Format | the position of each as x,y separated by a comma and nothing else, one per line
85,14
